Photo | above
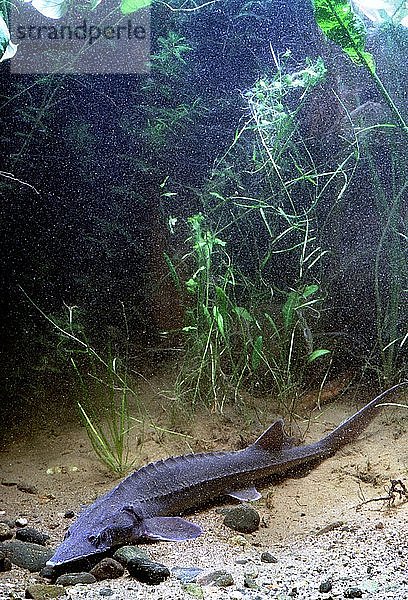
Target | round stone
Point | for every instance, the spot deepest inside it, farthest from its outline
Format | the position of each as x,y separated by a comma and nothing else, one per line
242,518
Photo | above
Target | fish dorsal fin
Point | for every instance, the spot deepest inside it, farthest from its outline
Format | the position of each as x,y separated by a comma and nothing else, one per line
273,439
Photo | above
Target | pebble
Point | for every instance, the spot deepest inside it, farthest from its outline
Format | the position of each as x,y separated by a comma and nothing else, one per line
21,522
75,579
41,591
194,590
29,534
107,568
249,582
239,540
10,522
242,518
219,578
69,514
26,555
106,592
267,557
186,574
147,571
243,560
6,532
28,488
127,553
354,592
5,563
48,572
236,595
369,585
325,587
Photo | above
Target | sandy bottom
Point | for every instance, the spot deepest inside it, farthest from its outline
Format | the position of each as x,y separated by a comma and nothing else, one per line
364,546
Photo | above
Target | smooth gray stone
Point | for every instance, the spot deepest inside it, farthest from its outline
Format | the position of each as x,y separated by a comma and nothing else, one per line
26,555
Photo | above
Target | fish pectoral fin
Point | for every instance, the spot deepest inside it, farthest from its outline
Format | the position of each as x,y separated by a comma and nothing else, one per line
171,529
250,494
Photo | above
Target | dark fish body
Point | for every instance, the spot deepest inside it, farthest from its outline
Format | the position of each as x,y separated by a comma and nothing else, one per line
144,504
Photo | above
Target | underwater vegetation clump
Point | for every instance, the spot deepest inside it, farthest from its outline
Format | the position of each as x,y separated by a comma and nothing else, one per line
104,395
248,331
236,338
340,24
278,164
168,116
108,404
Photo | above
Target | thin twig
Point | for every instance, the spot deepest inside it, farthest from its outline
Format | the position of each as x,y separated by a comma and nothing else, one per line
397,490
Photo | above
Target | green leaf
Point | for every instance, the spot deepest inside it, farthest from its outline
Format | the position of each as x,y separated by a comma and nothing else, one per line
341,25
216,195
219,319
7,48
52,9
288,309
219,242
272,323
222,301
317,354
191,285
309,290
206,314
130,6
257,353
243,313
173,272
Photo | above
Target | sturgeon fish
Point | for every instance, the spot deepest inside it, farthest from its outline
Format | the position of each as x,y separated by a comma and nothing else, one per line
145,504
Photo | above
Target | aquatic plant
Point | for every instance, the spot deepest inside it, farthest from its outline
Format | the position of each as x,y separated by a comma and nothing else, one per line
104,391
170,56
210,367
163,123
291,343
248,331
169,115
291,177
109,435
340,24
275,103
387,357
220,335
233,345
7,47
